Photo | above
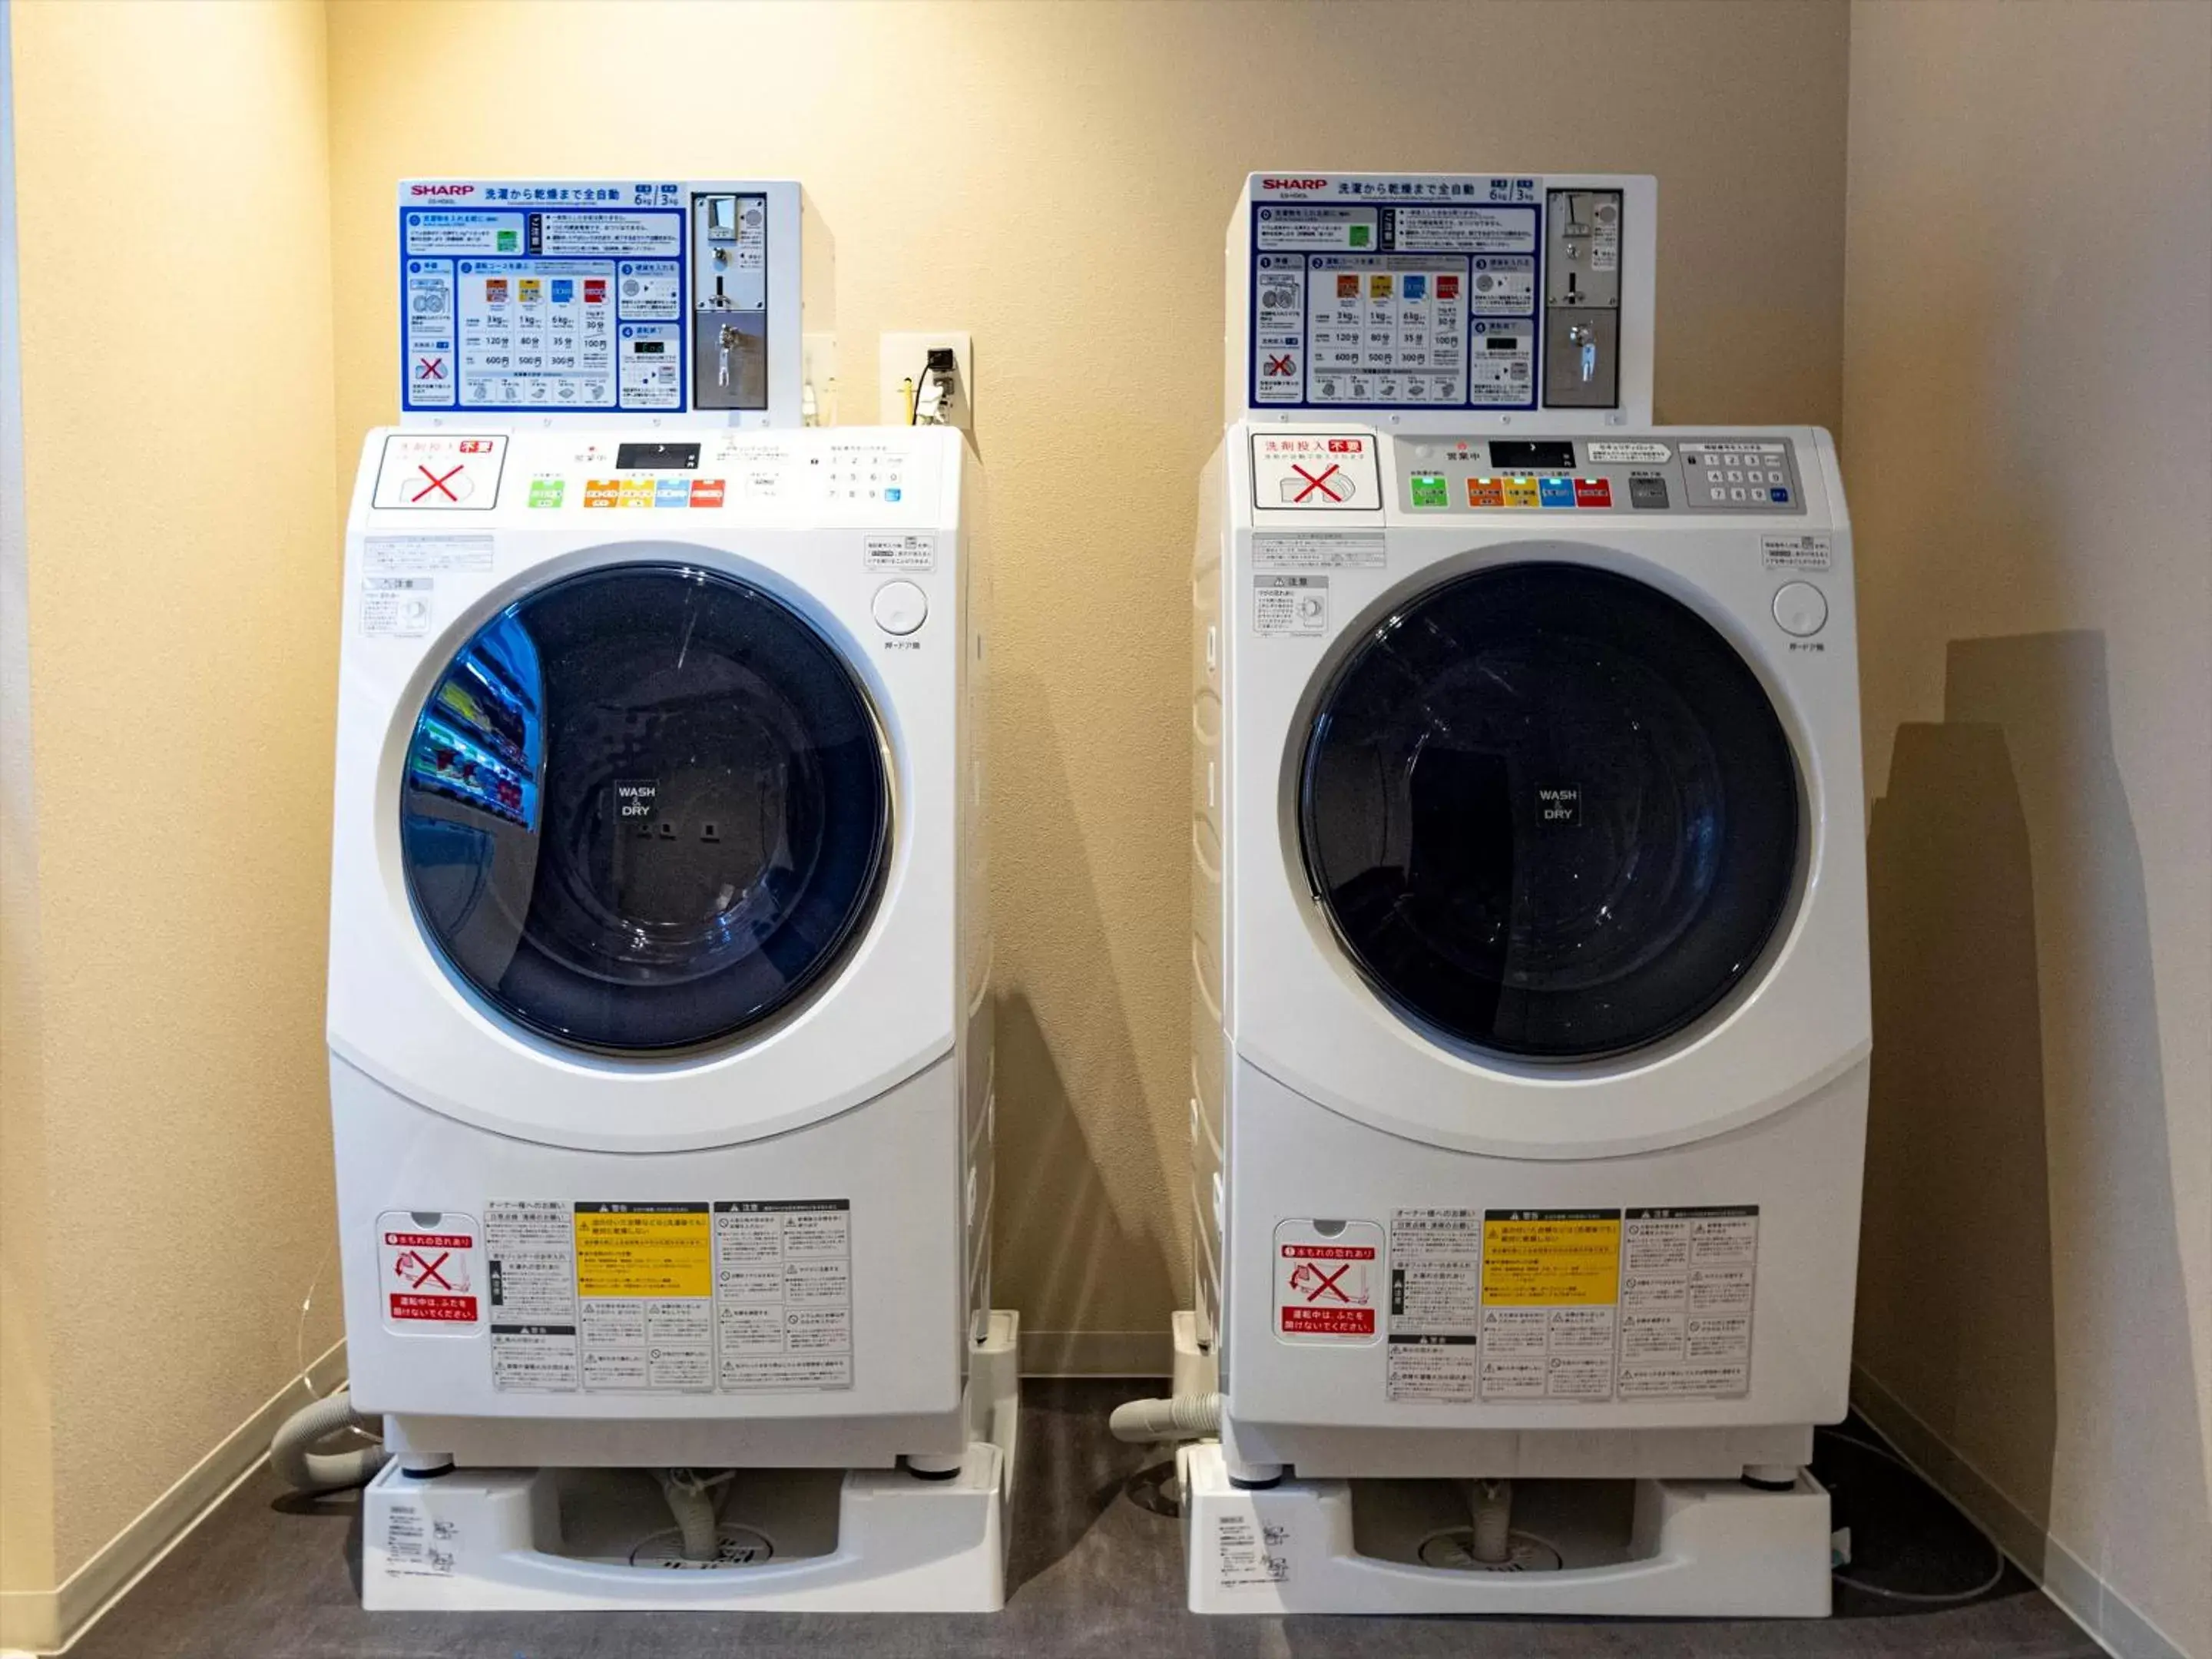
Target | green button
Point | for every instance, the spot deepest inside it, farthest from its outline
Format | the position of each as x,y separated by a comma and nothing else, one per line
506,242
1360,235
1429,491
547,492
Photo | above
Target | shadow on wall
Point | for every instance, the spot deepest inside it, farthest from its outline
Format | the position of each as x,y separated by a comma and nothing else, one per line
2019,1228
1075,1139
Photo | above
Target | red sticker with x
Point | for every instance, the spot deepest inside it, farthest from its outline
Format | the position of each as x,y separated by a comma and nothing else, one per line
1326,1278
428,1268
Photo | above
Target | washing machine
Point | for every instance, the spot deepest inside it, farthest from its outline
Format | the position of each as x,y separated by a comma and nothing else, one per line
658,1020
1530,1010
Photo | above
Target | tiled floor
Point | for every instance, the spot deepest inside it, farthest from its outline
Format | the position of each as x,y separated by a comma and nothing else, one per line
271,1577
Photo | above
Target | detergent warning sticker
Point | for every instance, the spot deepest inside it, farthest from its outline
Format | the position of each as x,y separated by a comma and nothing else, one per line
684,1298
1551,1291
427,1267
1327,1280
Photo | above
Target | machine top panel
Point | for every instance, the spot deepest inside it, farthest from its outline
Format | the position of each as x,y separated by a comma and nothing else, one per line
549,302
1759,473
1444,300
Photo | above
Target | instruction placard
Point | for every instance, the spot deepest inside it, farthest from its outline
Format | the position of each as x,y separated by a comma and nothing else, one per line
1686,1283
1320,549
427,1266
728,1295
1290,604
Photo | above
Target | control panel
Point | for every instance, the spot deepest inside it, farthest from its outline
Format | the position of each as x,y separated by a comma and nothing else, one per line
1443,297
1575,474
548,302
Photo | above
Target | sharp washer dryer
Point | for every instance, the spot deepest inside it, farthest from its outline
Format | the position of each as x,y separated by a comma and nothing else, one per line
1531,1017
660,1043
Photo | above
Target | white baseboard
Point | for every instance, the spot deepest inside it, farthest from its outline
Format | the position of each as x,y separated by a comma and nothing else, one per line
2110,1620
1097,1353
47,1621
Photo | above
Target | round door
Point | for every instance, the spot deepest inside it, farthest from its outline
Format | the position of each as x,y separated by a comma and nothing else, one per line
645,808
1549,811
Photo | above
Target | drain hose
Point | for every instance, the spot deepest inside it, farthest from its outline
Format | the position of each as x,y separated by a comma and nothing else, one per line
304,1470
1186,1416
1492,1541
690,1500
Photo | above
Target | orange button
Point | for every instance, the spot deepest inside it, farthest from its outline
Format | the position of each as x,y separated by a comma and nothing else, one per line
1485,492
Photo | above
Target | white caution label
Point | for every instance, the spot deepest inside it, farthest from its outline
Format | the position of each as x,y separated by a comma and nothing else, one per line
1811,551
1290,604
1250,1553
906,554
418,1545
1436,1305
395,556
1551,1286
1619,450
1688,1278
397,607
1363,550
1315,472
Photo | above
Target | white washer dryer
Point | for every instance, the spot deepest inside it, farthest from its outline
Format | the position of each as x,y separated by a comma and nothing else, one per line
660,1048
1531,1015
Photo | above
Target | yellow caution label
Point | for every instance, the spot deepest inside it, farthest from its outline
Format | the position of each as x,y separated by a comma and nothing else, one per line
644,1250
1551,1258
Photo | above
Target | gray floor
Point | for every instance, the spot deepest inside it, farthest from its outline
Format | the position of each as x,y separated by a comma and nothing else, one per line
270,1576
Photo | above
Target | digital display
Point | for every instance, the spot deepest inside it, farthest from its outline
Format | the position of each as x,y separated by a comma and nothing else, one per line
650,348
1520,454
664,457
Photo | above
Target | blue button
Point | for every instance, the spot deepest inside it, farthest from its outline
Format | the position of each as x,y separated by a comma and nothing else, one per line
1555,492
1779,494
890,495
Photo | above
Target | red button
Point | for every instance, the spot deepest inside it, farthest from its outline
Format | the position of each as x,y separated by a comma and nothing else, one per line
1593,492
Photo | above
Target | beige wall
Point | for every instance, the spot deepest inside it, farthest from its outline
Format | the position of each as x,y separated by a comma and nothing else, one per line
1058,179
2027,420
166,1113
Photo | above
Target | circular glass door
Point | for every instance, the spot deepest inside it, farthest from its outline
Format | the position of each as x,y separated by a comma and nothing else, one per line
1548,811
645,808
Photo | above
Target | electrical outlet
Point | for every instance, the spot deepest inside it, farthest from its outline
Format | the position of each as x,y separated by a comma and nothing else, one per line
900,358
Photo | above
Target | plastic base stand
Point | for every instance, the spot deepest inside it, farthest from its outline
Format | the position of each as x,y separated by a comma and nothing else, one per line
1619,1548
792,1541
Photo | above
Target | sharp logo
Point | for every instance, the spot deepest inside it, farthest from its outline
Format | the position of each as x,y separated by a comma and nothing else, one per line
1294,184
444,190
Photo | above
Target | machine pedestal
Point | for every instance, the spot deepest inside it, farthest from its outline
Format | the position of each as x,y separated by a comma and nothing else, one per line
792,1541
1649,1548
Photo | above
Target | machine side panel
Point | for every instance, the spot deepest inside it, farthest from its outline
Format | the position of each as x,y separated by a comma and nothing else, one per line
1209,961
979,1073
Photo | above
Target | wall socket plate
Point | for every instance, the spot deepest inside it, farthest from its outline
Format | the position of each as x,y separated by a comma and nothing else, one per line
900,358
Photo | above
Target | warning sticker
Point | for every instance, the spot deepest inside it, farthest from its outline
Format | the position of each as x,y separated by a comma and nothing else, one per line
911,554
1326,1276
671,1297
1810,551
397,607
1249,1553
1290,604
418,1546
1363,550
1436,1305
783,1294
426,1259
530,1244
1551,1284
1315,471
401,555
1687,1278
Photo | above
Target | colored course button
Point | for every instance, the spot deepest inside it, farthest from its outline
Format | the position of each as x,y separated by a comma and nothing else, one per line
1429,491
547,492
1485,492
671,492
602,492
1520,492
1593,492
1555,492
706,492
